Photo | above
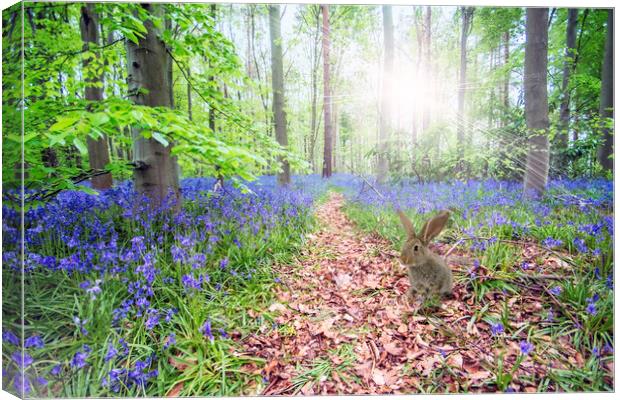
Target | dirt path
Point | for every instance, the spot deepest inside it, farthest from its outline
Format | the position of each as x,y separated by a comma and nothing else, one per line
344,326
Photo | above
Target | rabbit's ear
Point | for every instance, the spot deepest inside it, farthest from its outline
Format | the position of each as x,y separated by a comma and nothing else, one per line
433,226
407,224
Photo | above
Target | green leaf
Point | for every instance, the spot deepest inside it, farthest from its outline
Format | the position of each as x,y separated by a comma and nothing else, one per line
99,118
80,146
64,122
160,138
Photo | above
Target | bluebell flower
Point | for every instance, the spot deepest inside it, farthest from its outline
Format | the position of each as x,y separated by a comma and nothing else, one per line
526,347
111,353
551,242
170,340
79,360
556,290
497,328
21,384
34,341
206,330
8,336
22,359
56,369
152,321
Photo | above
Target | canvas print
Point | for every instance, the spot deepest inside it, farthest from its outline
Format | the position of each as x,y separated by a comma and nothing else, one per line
220,199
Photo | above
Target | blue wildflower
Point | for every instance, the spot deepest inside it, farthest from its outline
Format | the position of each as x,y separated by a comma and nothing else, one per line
34,341
497,328
526,347
8,336
206,330
111,353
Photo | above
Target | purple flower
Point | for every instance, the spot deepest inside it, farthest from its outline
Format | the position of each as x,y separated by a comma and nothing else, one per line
56,370
223,333
34,341
8,336
497,328
112,352
555,290
22,361
41,381
189,282
206,330
526,347
170,340
21,384
224,263
550,316
79,360
152,321
551,242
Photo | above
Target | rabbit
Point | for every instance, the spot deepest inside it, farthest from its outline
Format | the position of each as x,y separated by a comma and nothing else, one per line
428,273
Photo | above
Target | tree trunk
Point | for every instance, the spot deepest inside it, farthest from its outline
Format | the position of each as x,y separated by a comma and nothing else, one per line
466,15
426,117
385,116
189,93
536,104
571,41
148,66
277,82
98,154
327,143
605,150
316,60
507,77
335,127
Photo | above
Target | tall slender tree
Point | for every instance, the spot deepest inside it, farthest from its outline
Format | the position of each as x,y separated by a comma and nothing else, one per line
570,54
98,153
327,120
426,116
536,103
149,84
466,18
605,150
385,117
277,82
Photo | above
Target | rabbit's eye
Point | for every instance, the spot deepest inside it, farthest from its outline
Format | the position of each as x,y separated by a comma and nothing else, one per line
415,248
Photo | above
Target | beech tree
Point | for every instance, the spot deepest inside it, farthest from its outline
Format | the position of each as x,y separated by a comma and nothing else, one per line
98,153
277,82
327,145
605,150
466,20
386,90
149,83
536,103
571,41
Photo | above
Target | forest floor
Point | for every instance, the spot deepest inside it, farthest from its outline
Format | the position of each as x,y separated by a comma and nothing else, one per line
344,326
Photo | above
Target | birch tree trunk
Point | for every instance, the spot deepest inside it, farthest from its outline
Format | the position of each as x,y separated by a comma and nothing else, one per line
98,154
277,82
536,103
148,66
